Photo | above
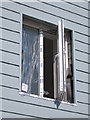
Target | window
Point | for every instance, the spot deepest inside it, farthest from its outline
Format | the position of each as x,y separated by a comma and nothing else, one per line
46,64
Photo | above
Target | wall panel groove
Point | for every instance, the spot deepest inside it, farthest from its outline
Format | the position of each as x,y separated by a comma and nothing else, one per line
38,12
56,5
27,106
44,11
36,105
78,5
9,19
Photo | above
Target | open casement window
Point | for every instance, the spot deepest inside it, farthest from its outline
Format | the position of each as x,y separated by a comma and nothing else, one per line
46,66
63,65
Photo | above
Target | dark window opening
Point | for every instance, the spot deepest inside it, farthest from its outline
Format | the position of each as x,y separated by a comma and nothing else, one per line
68,66
30,79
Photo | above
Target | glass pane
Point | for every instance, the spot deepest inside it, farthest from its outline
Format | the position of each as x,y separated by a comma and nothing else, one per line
30,60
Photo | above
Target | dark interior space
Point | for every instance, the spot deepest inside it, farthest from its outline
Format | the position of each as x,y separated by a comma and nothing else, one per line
48,68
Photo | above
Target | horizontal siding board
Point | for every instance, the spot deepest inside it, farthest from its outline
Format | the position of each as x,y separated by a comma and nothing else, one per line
81,46
82,66
11,15
83,5
10,25
0,115
82,86
0,67
14,83
37,111
81,37
9,46
14,95
0,44
8,35
62,13
0,81
82,97
14,70
9,5
10,81
10,69
54,20
71,8
0,3
81,56
0,15
8,114
82,76
46,16
10,58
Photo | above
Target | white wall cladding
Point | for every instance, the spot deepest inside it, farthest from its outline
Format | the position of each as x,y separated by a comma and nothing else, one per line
76,18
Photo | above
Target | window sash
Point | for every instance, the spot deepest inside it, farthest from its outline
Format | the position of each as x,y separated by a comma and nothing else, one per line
41,65
61,61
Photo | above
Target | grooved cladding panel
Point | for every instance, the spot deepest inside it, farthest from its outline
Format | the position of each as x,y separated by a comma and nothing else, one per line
76,18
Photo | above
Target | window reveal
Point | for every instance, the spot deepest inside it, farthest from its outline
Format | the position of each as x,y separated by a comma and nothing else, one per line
47,66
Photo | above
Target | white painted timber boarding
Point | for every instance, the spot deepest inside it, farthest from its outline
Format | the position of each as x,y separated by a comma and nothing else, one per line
35,112
70,8
70,16
9,14
75,19
38,14
10,70
10,58
9,46
8,35
37,101
11,25
8,115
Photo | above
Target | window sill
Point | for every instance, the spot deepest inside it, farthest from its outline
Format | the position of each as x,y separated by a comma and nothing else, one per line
48,99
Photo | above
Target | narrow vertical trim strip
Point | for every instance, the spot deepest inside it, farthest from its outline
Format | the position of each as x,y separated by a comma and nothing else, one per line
41,65
21,20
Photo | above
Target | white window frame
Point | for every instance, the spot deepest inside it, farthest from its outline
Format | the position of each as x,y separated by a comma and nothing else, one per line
60,38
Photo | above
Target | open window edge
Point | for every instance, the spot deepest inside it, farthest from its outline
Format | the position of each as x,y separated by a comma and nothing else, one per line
74,69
